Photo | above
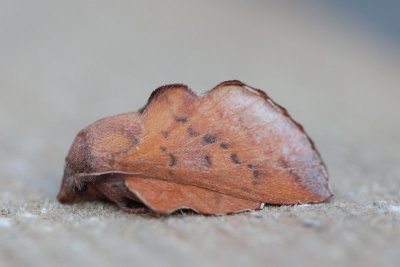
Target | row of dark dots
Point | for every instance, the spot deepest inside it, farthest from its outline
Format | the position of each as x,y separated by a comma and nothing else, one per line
207,139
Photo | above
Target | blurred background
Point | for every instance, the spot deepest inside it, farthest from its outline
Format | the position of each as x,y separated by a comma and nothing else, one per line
334,64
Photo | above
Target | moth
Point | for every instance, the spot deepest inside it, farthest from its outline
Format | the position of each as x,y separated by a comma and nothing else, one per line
229,150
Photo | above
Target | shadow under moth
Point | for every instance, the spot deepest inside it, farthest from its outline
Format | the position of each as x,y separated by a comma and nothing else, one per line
229,150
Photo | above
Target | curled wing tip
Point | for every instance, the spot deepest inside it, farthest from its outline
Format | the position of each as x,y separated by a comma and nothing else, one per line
166,89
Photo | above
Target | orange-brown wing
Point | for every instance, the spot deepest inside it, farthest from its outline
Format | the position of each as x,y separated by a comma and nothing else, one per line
167,197
234,140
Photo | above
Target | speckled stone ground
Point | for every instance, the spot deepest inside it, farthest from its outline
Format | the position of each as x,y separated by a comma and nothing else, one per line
66,64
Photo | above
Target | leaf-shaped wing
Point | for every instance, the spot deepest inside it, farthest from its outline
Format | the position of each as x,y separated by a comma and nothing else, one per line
233,140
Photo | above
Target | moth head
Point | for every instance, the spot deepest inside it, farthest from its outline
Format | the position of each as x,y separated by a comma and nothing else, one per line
92,154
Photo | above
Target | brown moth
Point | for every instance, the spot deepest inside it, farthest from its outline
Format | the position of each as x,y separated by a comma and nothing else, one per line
229,150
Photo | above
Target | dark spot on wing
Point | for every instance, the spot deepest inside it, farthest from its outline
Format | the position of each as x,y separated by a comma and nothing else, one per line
172,160
163,148
250,166
283,163
235,159
192,132
207,160
181,119
256,174
164,134
224,145
209,138
135,140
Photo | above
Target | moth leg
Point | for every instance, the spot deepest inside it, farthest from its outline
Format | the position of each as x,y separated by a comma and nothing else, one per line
114,189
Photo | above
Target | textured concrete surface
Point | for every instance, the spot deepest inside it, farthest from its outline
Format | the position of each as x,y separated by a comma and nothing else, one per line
66,64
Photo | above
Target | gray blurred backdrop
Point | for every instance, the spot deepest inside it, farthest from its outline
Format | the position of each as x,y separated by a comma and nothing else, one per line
334,64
